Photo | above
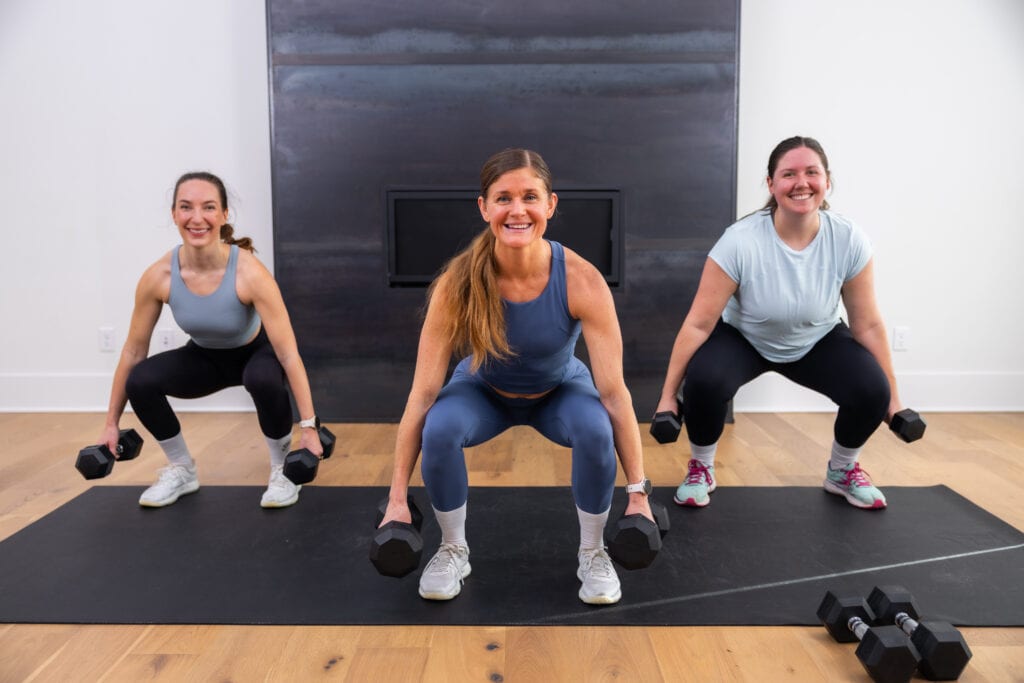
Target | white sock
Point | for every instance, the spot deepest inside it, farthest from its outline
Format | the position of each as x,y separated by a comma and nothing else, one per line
592,529
842,457
176,451
704,454
453,525
278,449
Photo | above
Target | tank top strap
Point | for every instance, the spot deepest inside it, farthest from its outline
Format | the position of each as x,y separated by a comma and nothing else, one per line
558,288
232,267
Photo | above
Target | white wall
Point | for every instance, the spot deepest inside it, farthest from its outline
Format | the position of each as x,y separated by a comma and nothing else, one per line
918,103
105,104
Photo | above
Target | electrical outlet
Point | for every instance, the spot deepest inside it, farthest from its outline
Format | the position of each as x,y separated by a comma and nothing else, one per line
165,340
105,337
901,339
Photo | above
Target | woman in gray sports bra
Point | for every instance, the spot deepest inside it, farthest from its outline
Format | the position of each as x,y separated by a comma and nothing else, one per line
229,304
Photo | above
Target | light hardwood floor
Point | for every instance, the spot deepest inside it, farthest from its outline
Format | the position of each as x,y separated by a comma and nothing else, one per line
979,455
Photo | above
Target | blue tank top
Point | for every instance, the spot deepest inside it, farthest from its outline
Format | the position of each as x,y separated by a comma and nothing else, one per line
542,334
215,321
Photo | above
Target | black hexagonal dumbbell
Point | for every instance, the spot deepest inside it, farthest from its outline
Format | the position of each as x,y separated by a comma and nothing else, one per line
636,540
300,466
907,425
943,650
96,462
666,425
397,546
884,651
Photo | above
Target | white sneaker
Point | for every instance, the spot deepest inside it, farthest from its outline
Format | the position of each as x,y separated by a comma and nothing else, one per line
443,575
600,582
174,481
281,492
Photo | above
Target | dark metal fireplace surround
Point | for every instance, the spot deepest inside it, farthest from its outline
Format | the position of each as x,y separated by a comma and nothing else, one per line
382,113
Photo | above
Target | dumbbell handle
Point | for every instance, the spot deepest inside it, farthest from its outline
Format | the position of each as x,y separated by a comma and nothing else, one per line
858,627
906,623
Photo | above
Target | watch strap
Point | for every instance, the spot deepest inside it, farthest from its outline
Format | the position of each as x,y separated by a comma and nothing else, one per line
639,487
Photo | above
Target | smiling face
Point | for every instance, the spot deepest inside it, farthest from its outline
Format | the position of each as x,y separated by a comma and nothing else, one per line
517,206
800,181
198,212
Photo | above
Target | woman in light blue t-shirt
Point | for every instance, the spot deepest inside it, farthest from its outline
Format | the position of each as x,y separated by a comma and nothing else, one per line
770,299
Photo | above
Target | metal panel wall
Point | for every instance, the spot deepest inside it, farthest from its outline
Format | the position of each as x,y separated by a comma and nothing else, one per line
371,94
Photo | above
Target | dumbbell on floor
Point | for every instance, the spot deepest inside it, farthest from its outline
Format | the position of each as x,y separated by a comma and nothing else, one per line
943,650
96,462
907,425
884,651
397,546
300,466
636,540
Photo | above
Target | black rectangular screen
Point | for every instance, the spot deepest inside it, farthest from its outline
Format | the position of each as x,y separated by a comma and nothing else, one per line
425,228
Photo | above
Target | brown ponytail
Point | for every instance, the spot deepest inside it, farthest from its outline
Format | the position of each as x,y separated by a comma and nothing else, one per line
227,235
472,307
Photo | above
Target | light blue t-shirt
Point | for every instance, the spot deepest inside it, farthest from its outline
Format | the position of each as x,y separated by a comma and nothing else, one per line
787,300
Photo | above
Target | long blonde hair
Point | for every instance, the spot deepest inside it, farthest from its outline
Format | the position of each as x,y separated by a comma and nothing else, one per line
472,308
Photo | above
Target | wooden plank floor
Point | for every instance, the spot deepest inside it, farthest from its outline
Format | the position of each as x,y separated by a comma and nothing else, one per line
981,456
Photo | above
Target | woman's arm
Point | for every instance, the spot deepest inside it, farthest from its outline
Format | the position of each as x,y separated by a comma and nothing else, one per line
257,285
150,294
868,328
591,302
713,294
432,358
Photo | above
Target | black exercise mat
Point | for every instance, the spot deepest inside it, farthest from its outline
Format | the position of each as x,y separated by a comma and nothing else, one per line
758,556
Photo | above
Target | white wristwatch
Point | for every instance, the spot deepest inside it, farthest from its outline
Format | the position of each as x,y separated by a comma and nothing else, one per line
643,487
311,423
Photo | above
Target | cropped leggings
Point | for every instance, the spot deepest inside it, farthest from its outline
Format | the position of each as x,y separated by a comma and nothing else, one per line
193,371
838,366
468,412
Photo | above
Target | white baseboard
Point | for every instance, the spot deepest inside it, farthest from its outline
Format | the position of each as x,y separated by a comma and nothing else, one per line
89,393
935,392
932,392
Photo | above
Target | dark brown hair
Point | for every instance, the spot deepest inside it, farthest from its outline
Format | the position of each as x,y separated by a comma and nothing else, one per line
227,231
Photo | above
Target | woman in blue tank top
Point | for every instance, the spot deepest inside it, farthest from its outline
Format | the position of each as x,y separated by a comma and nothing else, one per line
514,304
769,300
230,305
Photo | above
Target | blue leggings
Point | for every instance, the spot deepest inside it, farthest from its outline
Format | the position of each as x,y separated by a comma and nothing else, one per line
192,371
468,412
838,366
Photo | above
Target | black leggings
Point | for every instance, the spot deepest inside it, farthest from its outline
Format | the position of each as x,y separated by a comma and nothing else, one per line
838,366
193,371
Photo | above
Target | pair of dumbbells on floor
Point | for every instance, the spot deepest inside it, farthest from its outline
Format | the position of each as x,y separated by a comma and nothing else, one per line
882,624
666,425
397,547
96,461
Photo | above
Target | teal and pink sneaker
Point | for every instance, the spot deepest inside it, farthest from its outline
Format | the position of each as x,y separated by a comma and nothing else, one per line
699,483
854,483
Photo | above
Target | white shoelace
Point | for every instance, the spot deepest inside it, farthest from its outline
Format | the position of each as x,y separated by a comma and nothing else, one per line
445,560
596,563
